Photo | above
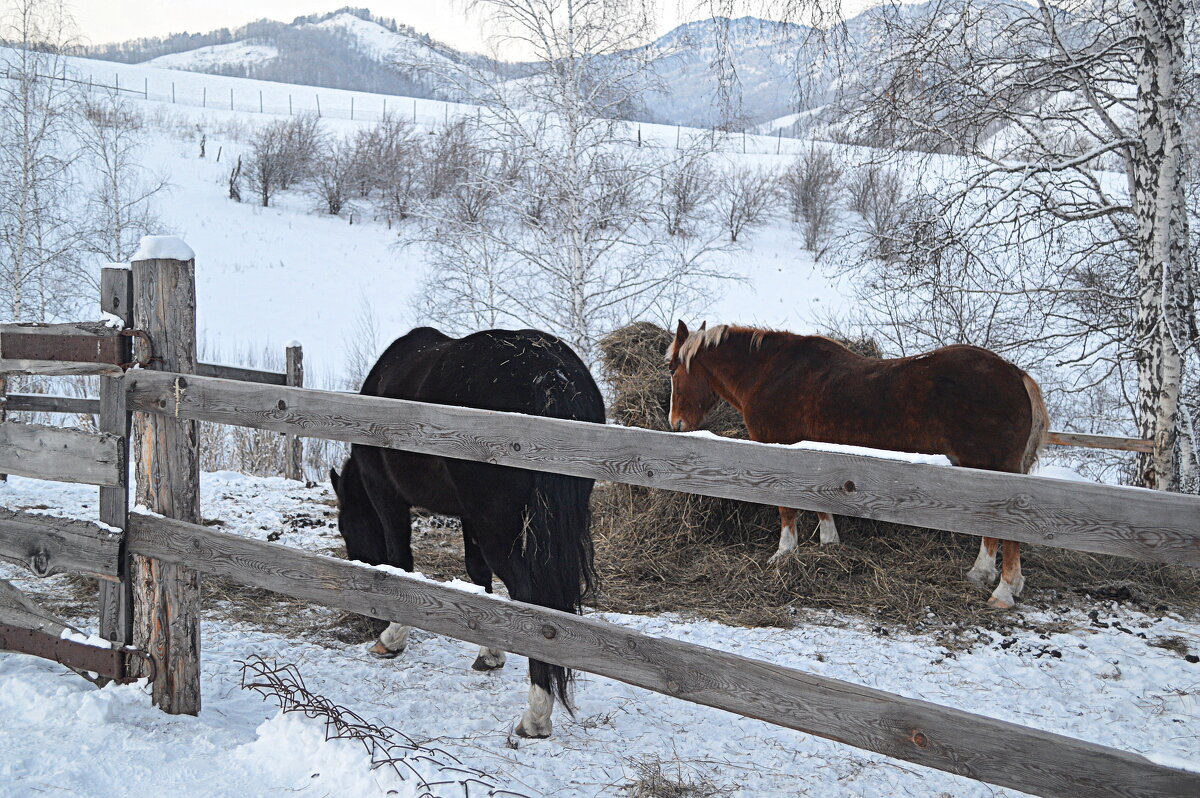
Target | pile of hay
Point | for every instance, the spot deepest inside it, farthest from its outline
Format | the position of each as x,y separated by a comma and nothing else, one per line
660,551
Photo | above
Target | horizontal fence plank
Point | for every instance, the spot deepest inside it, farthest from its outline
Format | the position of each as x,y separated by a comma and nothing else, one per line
1100,441
242,374
62,455
41,403
1130,522
47,545
981,748
84,348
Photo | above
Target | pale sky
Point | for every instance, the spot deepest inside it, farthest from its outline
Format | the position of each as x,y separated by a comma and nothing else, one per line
102,21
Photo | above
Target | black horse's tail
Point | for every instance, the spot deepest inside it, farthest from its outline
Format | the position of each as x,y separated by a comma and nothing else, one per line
557,535
558,543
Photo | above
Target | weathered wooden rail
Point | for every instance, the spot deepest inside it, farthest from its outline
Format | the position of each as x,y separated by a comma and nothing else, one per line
1130,522
171,551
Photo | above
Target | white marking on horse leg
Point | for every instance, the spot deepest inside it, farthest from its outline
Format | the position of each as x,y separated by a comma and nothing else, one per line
1003,597
984,569
392,642
489,659
829,533
536,720
787,542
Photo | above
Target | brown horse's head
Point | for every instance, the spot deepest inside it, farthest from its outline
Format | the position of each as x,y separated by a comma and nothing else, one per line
692,395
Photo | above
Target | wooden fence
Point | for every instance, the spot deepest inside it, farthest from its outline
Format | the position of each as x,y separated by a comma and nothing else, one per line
165,550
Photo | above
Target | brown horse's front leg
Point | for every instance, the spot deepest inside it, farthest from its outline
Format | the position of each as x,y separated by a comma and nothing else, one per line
1011,580
787,533
829,533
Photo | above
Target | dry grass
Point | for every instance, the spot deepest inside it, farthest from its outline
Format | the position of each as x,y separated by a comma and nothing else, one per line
652,780
709,556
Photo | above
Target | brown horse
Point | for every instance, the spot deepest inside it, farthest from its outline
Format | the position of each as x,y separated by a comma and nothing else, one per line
966,403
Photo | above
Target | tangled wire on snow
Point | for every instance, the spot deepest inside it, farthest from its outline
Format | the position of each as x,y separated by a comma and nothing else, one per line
386,745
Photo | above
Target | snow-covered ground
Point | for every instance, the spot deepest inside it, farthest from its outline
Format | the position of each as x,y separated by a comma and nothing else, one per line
1104,681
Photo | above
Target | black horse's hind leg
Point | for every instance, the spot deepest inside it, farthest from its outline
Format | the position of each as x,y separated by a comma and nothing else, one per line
489,659
395,518
514,572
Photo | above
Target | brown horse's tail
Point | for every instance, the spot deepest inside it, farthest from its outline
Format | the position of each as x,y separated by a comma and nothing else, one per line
1039,429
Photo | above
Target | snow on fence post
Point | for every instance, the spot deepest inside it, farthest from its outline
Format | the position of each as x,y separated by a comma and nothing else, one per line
294,444
167,597
116,598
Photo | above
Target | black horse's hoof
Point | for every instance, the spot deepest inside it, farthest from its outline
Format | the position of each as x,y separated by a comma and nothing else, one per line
481,664
520,731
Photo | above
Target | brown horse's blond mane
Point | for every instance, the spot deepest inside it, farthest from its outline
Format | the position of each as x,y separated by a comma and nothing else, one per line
711,337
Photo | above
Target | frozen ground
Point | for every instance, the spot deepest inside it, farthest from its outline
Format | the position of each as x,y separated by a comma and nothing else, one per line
1109,680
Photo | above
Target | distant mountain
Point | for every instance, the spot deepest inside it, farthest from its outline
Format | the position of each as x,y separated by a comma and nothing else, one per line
732,73
345,49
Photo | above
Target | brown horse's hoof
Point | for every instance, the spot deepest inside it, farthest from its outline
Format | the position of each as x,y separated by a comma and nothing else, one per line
520,730
481,664
999,604
380,651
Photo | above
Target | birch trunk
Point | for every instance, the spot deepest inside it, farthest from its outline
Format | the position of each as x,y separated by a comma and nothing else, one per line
1163,272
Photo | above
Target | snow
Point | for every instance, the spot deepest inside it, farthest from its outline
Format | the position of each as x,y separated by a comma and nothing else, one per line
241,53
1100,679
838,448
163,248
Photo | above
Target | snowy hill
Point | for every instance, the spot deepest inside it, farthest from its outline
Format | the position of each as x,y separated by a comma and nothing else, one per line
346,49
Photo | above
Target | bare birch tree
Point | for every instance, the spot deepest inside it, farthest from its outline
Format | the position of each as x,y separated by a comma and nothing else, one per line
568,242
119,213
37,233
1067,198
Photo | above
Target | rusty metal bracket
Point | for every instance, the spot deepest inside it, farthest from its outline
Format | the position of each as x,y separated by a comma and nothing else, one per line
111,662
141,335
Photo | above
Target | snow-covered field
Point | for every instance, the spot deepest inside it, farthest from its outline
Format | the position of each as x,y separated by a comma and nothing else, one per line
267,276
1105,681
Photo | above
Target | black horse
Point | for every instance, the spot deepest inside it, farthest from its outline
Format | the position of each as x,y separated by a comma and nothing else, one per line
529,528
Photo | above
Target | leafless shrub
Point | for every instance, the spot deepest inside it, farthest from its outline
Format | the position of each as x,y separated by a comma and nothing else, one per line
810,185
450,156
877,193
390,154
745,198
685,190
336,174
282,154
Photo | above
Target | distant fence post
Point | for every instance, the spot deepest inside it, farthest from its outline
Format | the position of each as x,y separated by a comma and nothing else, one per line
294,444
116,598
167,597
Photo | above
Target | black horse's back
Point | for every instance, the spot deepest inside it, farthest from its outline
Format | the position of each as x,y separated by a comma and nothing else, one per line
529,528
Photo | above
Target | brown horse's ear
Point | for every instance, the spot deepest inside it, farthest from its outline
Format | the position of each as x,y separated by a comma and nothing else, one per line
681,332
703,324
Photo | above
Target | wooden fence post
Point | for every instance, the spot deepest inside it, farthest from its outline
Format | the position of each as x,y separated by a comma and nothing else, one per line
294,444
116,598
167,597
3,409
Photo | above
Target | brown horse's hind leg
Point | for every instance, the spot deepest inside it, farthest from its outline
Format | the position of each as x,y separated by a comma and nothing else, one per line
829,533
787,533
1011,580
984,569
